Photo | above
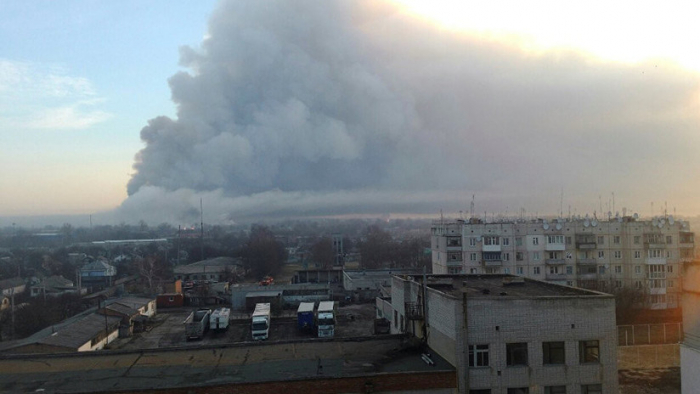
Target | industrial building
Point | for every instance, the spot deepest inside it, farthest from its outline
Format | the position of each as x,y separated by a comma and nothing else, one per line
506,334
595,254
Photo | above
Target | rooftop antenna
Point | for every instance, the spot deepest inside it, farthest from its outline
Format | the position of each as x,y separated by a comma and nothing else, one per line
665,208
201,227
652,209
471,207
442,219
600,202
561,202
613,202
461,215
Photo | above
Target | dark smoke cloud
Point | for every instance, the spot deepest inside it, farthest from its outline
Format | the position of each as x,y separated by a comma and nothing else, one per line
325,107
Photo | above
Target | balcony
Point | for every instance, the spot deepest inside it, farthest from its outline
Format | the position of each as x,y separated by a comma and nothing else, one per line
587,261
657,290
493,263
587,276
586,245
454,263
555,261
491,248
655,245
655,260
414,311
558,277
555,247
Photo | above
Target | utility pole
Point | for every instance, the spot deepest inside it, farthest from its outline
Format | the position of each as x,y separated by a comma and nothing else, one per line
201,226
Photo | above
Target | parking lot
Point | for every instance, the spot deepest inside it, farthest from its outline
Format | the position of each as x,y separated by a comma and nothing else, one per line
168,329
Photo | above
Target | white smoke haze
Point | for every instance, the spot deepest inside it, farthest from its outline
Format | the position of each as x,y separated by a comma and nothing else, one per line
340,107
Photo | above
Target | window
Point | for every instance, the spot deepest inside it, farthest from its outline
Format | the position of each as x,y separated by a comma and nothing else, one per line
535,241
592,389
569,270
518,256
670,283
555,239
492,240
654,253
396,319
568,240
618,269
554,389
519,270
535,256
637,269
506,241
506,270
536,270
617,254
601,239
472,270
616,239
519,390
658,299
637,284
669,269
472,241
516,354
472,256
478,355
637,239
601,254
589,351
553,269
506,256
454,270
601,269
570,283
553,353
518,241
637,254
669,239
618,284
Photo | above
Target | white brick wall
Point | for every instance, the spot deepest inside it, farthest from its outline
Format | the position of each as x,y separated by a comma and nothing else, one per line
529,319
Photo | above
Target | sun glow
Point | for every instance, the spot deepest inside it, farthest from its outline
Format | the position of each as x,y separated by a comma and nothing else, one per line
625,31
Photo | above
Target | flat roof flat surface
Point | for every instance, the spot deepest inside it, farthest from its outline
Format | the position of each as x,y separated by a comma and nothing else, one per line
162,369
493,285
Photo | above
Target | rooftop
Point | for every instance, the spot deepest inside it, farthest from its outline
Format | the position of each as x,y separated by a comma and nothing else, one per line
77,334
382,272
213,365
498,285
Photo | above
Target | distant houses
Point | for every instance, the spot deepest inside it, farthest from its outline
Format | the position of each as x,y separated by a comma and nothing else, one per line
9,287
98,275
53,286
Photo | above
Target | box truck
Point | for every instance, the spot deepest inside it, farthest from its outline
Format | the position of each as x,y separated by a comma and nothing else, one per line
219,319
305,316
325,318
197,323
261,321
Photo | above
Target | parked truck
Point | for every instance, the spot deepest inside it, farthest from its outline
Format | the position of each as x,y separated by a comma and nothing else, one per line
325,318
219,319
305,316
261,321
197,323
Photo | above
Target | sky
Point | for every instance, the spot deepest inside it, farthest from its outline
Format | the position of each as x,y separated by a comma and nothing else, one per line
138,111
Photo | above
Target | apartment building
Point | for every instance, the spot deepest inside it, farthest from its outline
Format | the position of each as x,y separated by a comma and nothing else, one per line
690,348
602,255
512,335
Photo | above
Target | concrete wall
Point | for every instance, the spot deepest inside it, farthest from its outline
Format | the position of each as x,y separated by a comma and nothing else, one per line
649,357
690,378
498,321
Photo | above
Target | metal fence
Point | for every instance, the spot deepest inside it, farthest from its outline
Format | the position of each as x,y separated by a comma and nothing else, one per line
649,334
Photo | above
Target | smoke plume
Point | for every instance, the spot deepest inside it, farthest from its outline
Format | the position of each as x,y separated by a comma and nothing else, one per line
340,107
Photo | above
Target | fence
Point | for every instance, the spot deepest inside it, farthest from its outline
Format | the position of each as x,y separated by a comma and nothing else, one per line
649,334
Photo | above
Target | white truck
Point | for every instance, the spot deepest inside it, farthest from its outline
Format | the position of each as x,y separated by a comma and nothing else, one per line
197,323
219,319
325,318
261,321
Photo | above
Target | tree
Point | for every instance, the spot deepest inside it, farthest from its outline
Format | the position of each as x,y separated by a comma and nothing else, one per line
152,268
323,253
263,254
629,302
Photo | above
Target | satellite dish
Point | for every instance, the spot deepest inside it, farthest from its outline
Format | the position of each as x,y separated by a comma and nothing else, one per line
609,214
636,215
654,222
662,221
661,224
545,226
594,223
671,220
586,223
619,219
559,226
